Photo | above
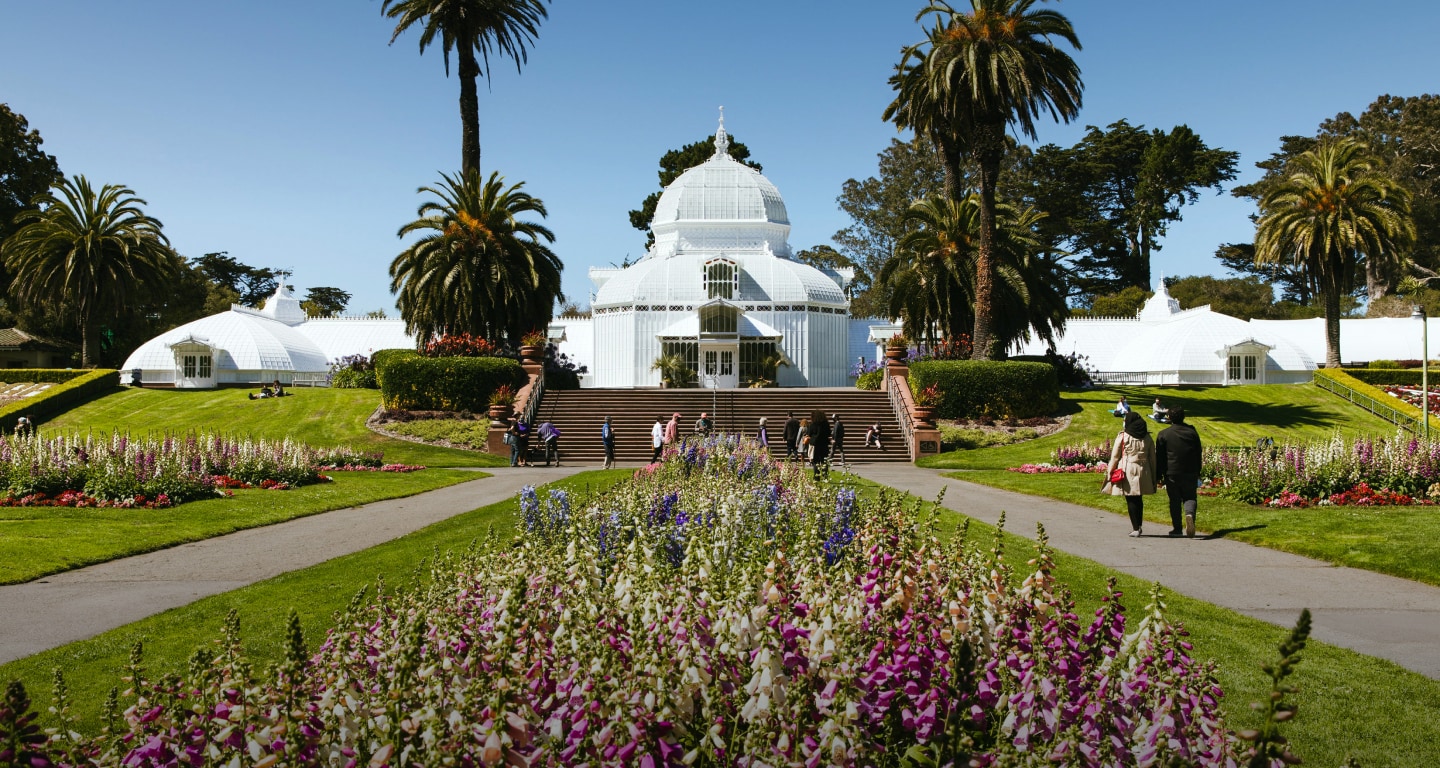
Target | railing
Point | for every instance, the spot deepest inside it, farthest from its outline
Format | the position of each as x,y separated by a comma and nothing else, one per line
902,410
1104,378
532,404
1383,410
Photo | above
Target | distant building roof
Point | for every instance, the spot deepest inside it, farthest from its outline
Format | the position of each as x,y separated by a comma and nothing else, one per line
12,339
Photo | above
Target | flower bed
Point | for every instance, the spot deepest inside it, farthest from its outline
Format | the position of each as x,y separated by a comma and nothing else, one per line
1400,466
89,470
1043,469
720,609
1412,396
1084,453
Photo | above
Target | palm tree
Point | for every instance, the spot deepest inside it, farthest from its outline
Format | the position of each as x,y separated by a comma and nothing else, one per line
480,269
504,27
90,253
932,275
1333,211
975,75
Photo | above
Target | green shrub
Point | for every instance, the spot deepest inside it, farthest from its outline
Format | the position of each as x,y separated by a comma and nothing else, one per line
40,375
349,378
870,381
1383,364
80,387
997,389
382,358
415,383
1403,377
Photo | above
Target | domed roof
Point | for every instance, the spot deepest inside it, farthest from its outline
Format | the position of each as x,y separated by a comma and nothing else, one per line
681,278
1196,340
244,339
720,189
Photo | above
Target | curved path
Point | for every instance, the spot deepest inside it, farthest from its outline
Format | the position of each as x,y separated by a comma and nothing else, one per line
1372,613
82,603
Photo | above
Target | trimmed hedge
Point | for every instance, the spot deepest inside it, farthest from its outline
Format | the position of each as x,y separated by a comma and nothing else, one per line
382,358
1404,377
75,388
415,383
989,388
40,375
1347,377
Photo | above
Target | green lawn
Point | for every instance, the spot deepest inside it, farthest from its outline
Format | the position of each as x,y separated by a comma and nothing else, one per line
1400,541
38,541
1350,705
320,416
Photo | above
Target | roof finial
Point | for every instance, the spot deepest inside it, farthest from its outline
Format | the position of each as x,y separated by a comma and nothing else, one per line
722,139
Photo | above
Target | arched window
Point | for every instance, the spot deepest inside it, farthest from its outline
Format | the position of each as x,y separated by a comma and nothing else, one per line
722,279
719,321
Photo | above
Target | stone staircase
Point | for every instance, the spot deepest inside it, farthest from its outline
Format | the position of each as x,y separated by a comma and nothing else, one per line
578,414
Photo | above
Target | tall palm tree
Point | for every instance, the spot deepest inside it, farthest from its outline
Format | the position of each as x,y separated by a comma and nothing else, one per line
478,269
88,252
1333,212
975,75
932,275
470,27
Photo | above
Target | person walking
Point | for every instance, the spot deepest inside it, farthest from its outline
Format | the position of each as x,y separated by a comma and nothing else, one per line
657,439
837,439
1132,462
817,439
764,435
672,430
1177,455
791,434
512,439
607,438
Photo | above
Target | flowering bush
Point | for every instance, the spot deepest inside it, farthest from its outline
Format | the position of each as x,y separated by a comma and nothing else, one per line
1084,453
118,470
720,609
958,348
461,345
863,366
1324,469
1412,396
929,397
503,395
353,372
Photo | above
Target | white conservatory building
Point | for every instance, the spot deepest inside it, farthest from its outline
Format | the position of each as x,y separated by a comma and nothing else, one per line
721,288
244,346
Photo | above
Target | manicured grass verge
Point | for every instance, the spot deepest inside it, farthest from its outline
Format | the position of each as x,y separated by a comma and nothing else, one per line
1400,541
38,541
1350,705
467,433
1222,415
320,416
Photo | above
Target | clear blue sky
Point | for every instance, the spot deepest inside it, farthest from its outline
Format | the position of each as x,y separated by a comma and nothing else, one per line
291,135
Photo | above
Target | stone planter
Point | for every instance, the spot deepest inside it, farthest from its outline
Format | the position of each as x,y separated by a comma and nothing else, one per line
895,356
532,354
499,412
924,414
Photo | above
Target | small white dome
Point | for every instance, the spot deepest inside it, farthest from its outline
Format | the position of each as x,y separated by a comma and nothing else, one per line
720,189
244,339
680,279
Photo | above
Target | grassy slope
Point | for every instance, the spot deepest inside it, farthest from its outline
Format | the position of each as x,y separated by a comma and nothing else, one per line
319,416
38,541
1397,541
1350,705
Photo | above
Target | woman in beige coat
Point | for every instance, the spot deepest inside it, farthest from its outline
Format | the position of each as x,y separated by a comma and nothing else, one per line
1134,454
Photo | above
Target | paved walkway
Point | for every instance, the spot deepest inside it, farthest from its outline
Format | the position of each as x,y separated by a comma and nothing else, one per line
1379,615
78,604
1374,614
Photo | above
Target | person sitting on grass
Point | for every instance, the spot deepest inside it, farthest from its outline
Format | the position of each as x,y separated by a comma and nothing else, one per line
279,390
1159,412
1121,408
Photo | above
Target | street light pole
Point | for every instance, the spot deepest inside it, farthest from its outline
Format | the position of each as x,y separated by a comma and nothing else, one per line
1419,312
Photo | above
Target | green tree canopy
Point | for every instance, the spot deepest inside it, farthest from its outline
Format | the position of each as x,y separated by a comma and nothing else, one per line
1112,195
251,285
91,253
26,172
505,28
1125,302
1242,297
325,301
676,162
478,267
1330,214
975,75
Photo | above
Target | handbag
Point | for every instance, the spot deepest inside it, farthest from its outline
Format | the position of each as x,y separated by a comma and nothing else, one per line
1117,474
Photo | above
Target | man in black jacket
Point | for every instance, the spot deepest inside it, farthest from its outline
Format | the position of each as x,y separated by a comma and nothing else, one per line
1177,452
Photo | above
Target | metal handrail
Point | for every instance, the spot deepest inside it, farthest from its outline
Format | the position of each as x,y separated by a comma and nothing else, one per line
532,406
1389,413
902,412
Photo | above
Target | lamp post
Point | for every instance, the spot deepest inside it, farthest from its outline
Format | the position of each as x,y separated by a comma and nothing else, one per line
1418,313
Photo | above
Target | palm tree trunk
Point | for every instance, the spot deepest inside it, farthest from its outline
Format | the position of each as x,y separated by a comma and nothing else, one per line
84,339
469,111
1332,326
950,159
989,155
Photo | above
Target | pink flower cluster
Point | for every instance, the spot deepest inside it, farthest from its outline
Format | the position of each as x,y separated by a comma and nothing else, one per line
367,468
1042,469
81,499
